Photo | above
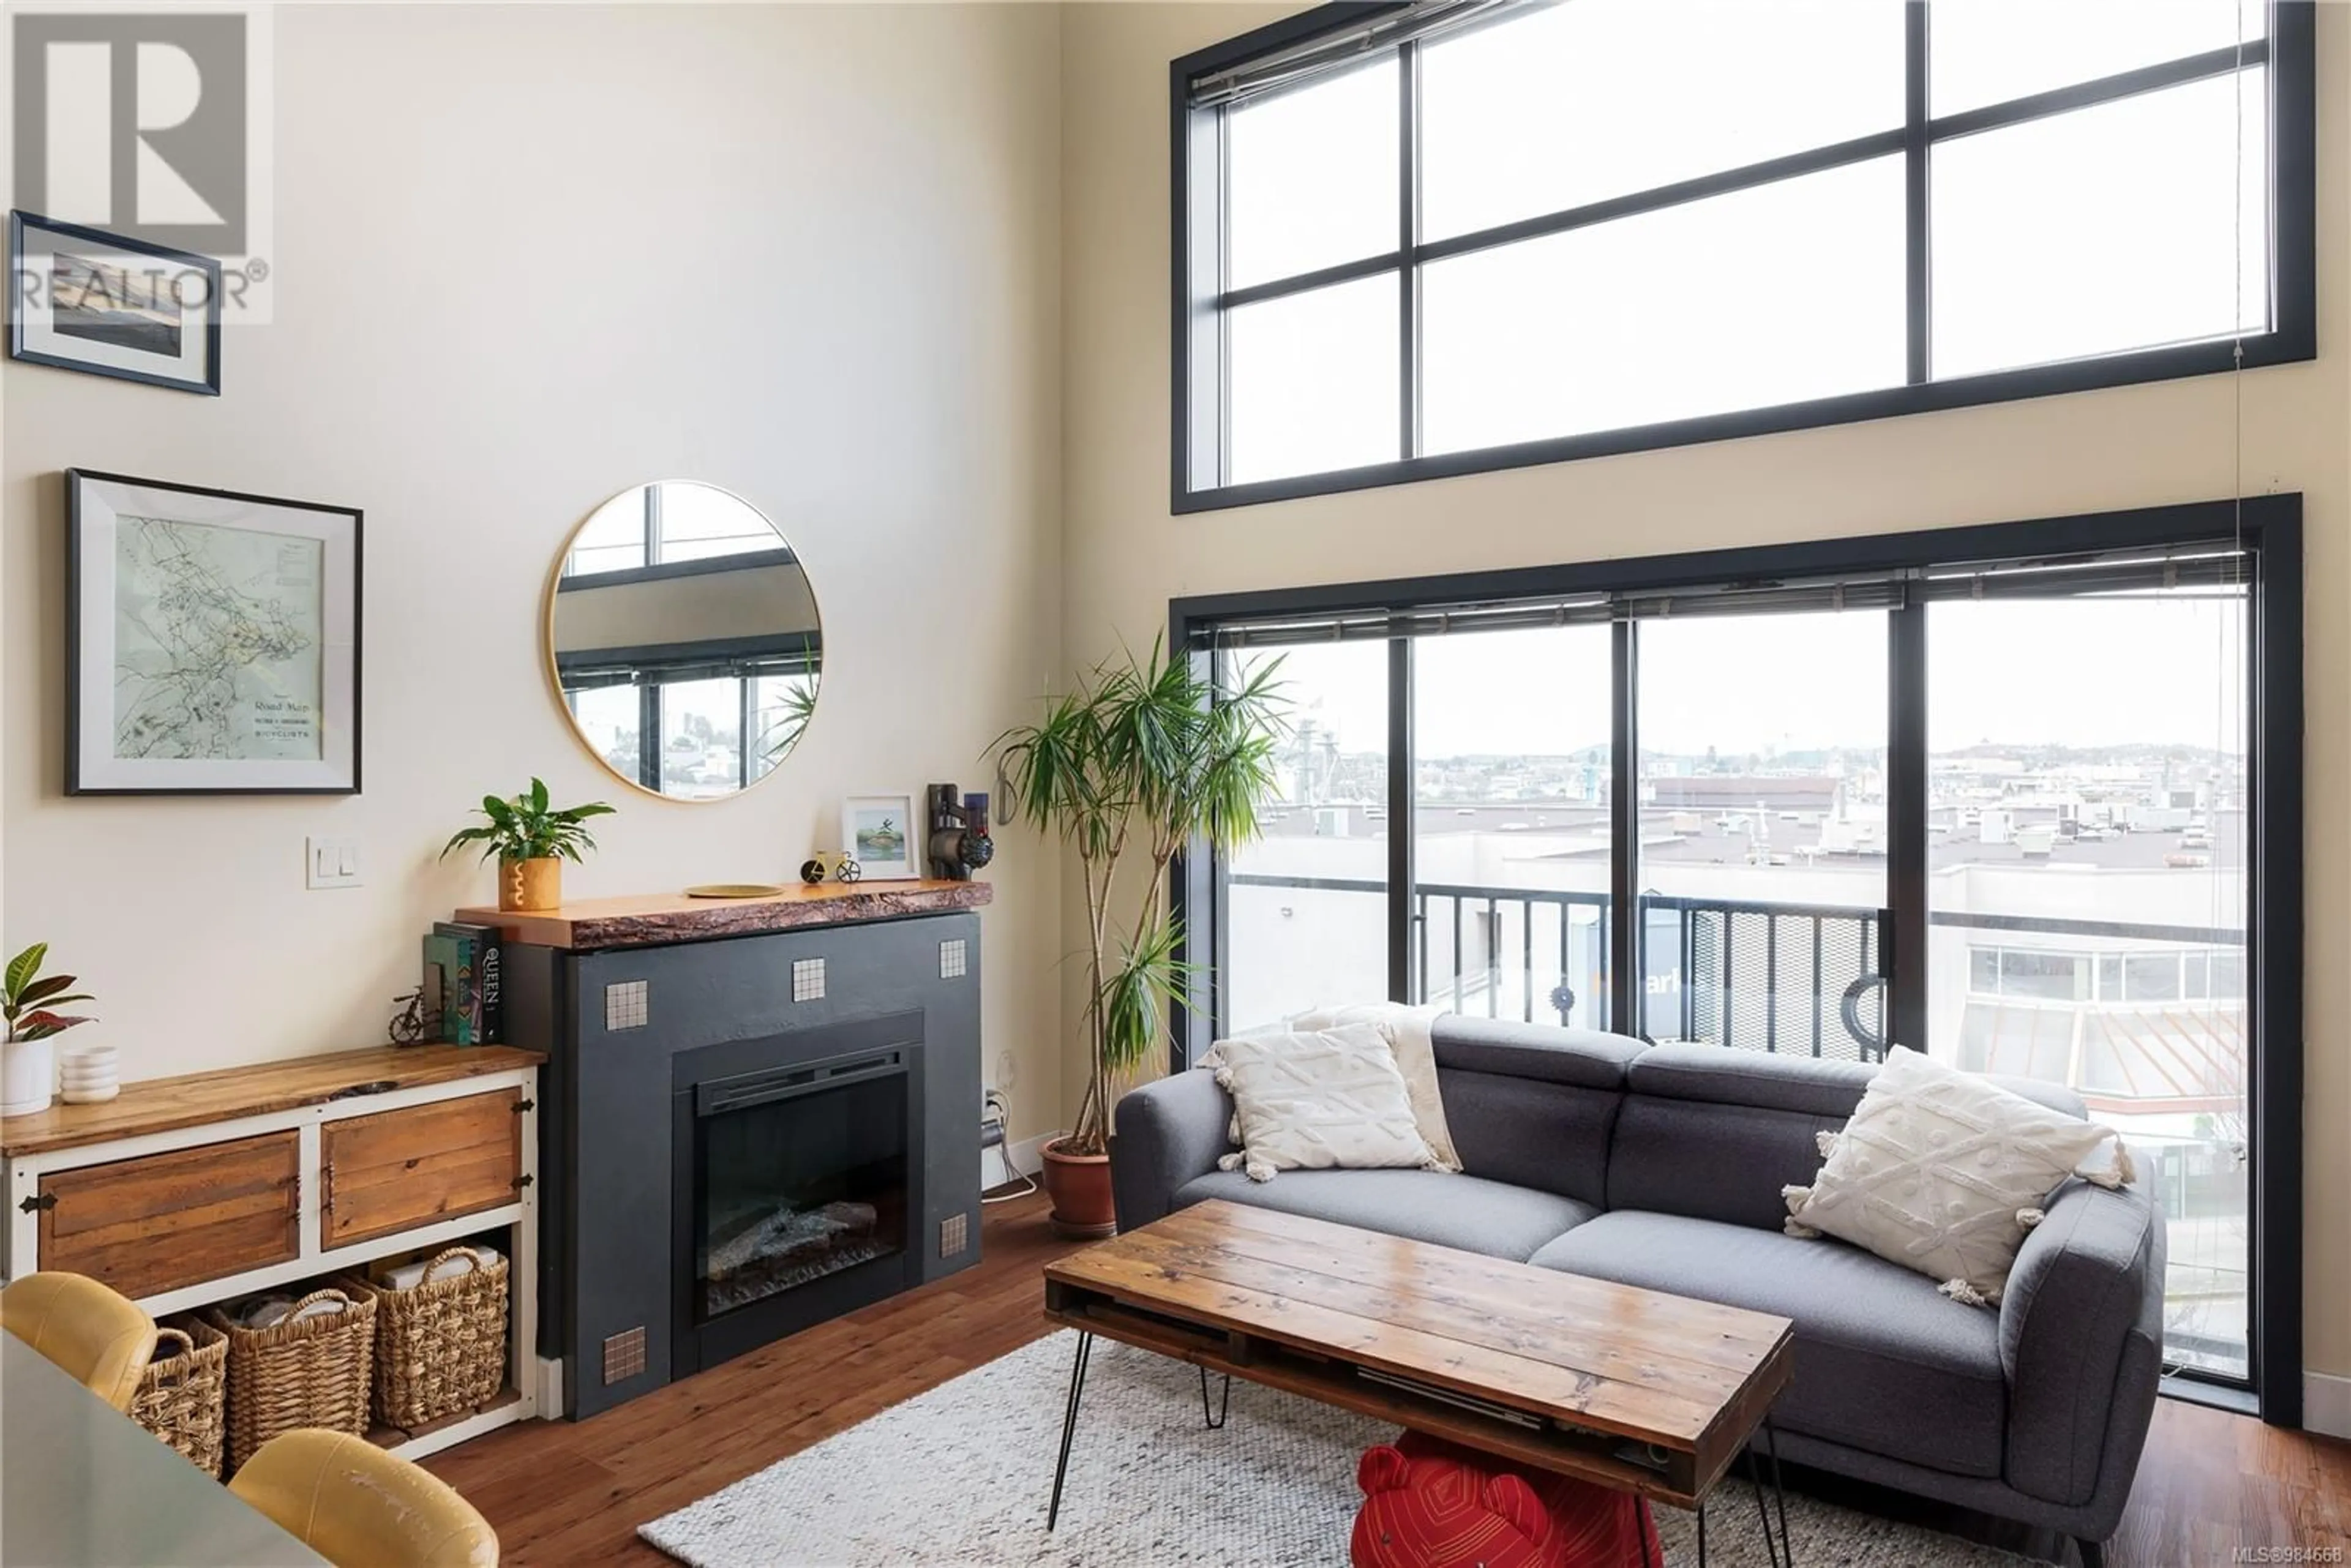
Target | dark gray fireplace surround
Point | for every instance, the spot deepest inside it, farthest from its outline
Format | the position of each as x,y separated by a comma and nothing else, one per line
840,1063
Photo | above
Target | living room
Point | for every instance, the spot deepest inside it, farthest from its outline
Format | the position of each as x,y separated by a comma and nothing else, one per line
1789,530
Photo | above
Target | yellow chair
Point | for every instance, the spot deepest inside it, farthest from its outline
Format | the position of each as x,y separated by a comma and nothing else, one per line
97,1335
359,1507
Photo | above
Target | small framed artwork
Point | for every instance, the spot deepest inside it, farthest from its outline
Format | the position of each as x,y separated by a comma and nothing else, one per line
84,301
212,642
884,835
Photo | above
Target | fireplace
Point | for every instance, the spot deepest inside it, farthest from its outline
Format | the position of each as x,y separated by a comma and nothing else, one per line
745,1134
794,1178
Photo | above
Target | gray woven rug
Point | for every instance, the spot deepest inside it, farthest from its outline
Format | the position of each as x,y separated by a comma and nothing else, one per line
960,1476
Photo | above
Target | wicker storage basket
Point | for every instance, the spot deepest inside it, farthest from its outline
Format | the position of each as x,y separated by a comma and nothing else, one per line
181,1399
309,1374
440,1346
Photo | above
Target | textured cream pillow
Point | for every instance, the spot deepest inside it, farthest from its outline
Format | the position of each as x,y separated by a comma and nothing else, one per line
1943,1171
1319,1099
1408,1031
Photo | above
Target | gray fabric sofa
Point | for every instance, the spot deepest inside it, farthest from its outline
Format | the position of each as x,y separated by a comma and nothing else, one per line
1662,1165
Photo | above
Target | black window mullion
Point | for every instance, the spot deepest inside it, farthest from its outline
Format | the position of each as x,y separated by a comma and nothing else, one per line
1407,235
1916,43
649,722
1624,957
1403,828
1902,952
747,703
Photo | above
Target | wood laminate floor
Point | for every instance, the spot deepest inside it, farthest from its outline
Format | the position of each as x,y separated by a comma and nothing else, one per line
565,1492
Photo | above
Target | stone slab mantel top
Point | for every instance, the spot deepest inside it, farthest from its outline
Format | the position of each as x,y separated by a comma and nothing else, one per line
595,923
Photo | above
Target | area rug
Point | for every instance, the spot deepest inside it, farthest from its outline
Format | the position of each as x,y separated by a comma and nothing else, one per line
959,1478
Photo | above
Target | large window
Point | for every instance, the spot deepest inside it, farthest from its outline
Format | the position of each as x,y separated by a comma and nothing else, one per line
1467,234
2088,856
2005,795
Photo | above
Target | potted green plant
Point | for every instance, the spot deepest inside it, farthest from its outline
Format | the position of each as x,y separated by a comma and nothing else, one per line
530,841
28,1004
1143,759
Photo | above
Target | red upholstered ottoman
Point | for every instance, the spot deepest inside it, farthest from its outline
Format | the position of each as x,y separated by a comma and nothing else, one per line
1428,1503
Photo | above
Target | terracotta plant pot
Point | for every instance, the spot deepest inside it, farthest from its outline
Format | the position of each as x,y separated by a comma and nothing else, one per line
1079,1186
530,884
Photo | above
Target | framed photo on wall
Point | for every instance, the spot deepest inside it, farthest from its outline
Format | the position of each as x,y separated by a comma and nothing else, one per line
85,300
882,835
212,642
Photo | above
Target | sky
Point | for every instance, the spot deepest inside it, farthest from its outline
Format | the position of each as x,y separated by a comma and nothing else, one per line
2071,672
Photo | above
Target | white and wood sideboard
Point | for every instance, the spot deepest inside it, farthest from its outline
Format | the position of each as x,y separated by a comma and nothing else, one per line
184,1192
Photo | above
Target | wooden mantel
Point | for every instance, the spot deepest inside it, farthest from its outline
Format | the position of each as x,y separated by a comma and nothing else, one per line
591,924
194,1099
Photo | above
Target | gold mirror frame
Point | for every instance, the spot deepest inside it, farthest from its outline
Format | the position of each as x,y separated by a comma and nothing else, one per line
787,651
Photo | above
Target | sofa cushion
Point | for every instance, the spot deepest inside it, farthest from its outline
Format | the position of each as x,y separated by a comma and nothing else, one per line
1712,1161
1718,1075
1532,1132
1437,1206
1584,1058
1883,1363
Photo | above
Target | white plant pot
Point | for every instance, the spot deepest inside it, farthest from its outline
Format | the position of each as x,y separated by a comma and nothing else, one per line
29,1075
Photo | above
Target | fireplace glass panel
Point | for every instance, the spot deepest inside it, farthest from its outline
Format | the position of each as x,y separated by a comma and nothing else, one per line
794,1189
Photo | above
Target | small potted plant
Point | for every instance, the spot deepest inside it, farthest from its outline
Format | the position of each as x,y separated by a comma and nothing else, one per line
530,841
28,1004
1145,758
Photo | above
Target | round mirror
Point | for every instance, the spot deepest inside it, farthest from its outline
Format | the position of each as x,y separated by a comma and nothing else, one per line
683,641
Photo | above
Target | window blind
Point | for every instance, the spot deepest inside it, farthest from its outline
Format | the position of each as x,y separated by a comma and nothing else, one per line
1336,51
2217,565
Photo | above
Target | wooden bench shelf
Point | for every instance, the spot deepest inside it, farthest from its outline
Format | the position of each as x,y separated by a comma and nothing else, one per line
191,1191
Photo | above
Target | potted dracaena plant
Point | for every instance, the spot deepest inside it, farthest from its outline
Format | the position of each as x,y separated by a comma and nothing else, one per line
28,1004
530,841
1143,759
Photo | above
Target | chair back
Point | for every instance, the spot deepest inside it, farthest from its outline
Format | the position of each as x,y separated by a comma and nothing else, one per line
97,1335
360,1507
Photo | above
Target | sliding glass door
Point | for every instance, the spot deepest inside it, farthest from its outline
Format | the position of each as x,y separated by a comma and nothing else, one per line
1763,831
1306,905
2024,797
2088,850
1512,772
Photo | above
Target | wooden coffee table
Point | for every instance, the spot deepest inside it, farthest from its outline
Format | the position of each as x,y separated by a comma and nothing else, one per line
1635,1390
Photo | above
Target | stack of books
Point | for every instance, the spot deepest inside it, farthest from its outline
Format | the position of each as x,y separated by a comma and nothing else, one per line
463,979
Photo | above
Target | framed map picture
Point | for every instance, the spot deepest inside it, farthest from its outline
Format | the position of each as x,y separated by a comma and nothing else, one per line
213,642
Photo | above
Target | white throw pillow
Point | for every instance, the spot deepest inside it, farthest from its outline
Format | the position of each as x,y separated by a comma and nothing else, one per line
1943,1171
1319,1099
1408,1031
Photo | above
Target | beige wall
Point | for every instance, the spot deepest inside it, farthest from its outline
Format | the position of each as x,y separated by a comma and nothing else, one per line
2135,447
529,256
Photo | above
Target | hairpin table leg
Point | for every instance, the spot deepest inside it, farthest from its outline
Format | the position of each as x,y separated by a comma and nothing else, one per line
1779,1493
1215,1423
1070,1424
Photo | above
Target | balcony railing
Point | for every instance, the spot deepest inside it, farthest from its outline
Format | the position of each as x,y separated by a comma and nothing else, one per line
1789,977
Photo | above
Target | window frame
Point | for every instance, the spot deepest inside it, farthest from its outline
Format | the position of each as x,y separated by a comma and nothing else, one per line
2270,529
1199,433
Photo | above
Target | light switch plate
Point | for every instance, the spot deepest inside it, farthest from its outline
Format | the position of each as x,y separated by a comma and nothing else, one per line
331,863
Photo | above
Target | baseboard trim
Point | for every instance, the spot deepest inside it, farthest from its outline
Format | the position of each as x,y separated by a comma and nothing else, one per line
1028,1156
2326,1404
550,1388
